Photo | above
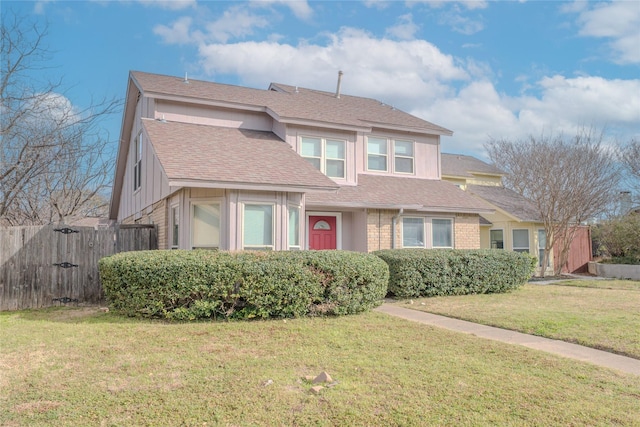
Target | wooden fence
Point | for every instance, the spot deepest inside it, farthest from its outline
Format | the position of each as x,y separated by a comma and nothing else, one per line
41,266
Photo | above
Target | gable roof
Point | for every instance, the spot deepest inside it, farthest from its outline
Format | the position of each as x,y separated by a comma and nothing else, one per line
388,192
508,200
200,155
465,166
289,104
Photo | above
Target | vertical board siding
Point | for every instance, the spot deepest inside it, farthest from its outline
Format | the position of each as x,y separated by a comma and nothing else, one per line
28,278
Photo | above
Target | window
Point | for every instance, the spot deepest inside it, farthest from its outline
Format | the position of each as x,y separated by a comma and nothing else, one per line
258,226
175,219
442,230
206,226
294,227
137,163
542,242
403,151
376,154
412,232
521,240
415,233
497,239
326,155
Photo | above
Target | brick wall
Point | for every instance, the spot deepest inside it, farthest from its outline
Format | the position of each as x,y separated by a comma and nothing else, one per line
379,234
467,231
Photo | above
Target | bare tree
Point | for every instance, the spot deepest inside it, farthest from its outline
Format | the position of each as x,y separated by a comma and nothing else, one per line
569,181
629,157
52,159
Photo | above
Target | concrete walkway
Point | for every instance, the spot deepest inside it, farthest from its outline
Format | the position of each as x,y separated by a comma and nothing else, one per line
560,348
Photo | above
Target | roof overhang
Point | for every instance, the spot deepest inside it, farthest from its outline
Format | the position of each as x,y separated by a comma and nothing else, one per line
251,186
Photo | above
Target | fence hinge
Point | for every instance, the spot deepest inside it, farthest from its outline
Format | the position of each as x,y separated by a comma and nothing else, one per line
65,264
65,230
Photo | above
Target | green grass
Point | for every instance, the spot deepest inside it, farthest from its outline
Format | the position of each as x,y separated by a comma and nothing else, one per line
603,314
69,367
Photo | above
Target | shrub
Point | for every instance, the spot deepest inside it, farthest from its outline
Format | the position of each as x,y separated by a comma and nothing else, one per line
189,285
619,238
419,272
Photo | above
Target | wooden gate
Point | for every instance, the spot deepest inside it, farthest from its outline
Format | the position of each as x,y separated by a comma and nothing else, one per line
41,266
579,251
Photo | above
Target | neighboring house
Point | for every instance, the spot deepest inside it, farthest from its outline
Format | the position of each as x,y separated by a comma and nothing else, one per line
235,168
515,225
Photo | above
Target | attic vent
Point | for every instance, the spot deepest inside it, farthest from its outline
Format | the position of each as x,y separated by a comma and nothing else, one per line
186,78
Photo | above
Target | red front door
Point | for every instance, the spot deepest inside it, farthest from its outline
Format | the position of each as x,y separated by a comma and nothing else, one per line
322,232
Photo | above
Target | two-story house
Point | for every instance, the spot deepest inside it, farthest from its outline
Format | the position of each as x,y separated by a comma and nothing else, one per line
236,168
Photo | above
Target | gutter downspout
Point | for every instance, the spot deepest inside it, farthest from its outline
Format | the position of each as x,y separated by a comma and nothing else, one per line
393,227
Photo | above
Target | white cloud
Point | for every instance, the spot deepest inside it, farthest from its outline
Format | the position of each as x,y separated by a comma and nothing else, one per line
469,4
300,8
177,33
478,111
617,21
169,4
418,68
405,29
235,22
461,23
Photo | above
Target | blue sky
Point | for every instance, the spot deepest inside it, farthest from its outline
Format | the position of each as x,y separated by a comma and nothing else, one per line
482,69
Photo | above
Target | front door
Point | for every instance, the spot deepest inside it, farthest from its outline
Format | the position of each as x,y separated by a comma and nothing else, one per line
322,232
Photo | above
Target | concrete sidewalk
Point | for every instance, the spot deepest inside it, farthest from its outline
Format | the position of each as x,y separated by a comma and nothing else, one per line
560,348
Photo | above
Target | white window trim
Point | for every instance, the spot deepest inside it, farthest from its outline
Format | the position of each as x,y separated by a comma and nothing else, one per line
390,157
428,232
413,158
338,216
192,204
175,206
491,242
521,248
273,225
137,162
323,154
386,156
300,225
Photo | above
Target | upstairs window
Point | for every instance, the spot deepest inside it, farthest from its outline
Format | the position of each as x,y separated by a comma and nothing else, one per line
377,154
326,155
137,163
386,154
403,151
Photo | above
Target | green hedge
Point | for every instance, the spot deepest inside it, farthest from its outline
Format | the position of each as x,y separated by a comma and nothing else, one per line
419,272
189,285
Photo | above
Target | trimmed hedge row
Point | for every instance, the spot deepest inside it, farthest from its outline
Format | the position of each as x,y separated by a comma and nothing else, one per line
199,284
425,273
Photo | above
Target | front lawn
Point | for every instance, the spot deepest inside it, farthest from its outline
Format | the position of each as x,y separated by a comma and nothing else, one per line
602,314
79,366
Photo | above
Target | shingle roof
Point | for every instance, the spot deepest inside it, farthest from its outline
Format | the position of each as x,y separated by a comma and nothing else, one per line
378,191
462,165
507,200
287,103
190,152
